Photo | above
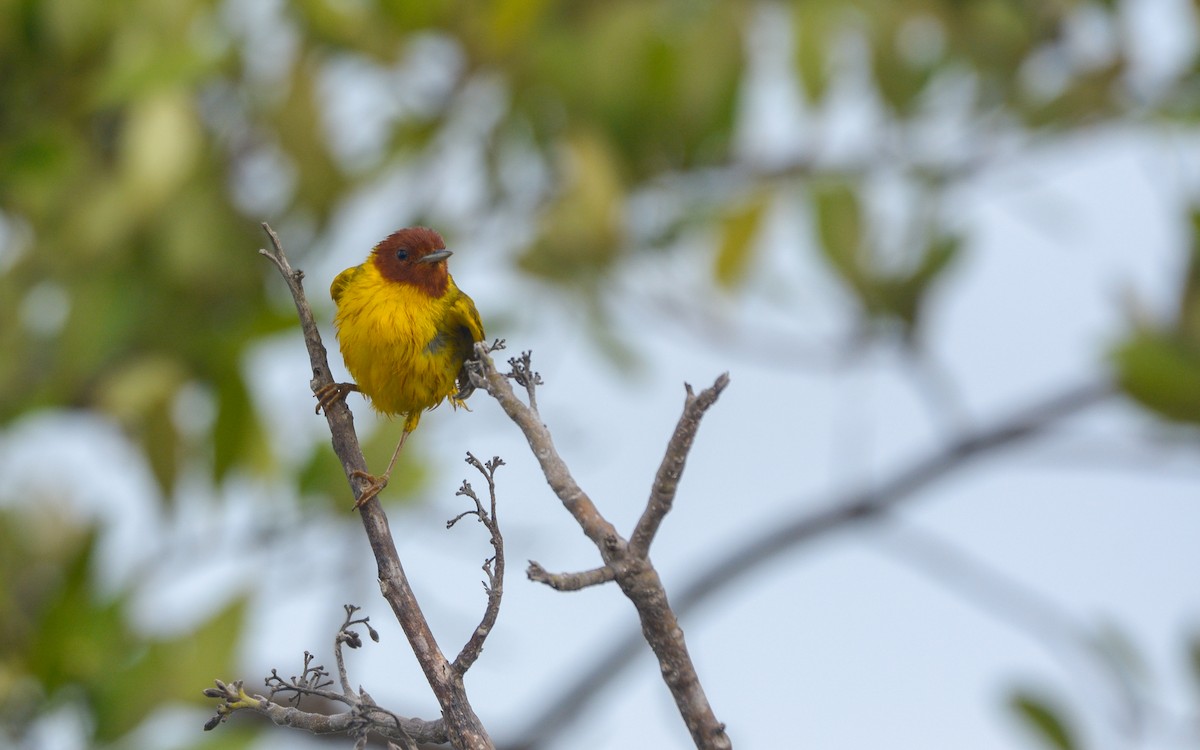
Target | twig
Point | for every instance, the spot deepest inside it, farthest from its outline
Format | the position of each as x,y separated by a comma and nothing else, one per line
350,638
462,724
312,681
523,374
570,581
363,717
779,538
635,574
354,722
576,501
666,482
493,567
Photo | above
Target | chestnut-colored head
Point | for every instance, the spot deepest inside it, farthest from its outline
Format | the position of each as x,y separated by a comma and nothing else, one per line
415,256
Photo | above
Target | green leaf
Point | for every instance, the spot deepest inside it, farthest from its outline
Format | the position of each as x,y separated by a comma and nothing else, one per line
900,81
815,31
1194,659
238,436
168,671
735,252
942,251
1037,714
904,297
1162,373
79,637
412,471
76,642
299,126
658,79
581,233
322,474
1189,301
840,229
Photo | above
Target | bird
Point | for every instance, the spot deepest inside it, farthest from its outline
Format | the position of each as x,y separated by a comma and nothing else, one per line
406,333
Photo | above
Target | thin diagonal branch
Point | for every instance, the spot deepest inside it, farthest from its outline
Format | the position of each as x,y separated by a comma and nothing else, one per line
779,538
463,725
573,498
666,481
493,566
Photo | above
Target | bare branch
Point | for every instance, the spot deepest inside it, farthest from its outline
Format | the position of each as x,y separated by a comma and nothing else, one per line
666,482
364,716
463,725
570,581
573,498
636,576
357,722
781,537
493,566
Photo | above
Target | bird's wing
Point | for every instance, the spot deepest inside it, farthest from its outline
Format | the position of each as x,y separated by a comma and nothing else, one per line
463,316
342,281
463,319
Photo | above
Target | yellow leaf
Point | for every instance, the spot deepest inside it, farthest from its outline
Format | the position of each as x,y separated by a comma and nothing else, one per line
739,229
160,146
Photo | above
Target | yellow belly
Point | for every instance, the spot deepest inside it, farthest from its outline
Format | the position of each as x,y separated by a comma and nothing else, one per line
389,337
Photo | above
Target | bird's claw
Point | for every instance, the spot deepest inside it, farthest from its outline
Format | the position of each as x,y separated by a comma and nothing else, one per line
375,485
328,394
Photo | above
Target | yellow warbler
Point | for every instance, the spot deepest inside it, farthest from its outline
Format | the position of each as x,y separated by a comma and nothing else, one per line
405,331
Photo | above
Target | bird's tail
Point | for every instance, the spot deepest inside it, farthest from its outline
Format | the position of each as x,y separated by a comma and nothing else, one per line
465,386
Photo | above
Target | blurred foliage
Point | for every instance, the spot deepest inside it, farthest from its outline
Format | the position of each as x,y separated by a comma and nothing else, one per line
66,643
1044,720
881,292
1193,658
1159,366
738,232
141,143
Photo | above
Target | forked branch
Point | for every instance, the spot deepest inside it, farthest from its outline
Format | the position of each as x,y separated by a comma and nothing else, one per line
630,568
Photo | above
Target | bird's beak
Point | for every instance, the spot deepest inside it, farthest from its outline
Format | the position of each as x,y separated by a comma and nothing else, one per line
435,256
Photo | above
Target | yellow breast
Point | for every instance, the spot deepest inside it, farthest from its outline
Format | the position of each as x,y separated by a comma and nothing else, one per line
395,341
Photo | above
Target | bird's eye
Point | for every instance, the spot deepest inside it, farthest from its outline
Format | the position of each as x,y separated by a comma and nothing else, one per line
402,254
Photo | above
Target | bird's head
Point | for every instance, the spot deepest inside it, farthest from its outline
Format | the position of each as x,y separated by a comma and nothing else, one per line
415,256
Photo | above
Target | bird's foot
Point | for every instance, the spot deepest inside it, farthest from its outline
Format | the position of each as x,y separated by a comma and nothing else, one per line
375,485
328,394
